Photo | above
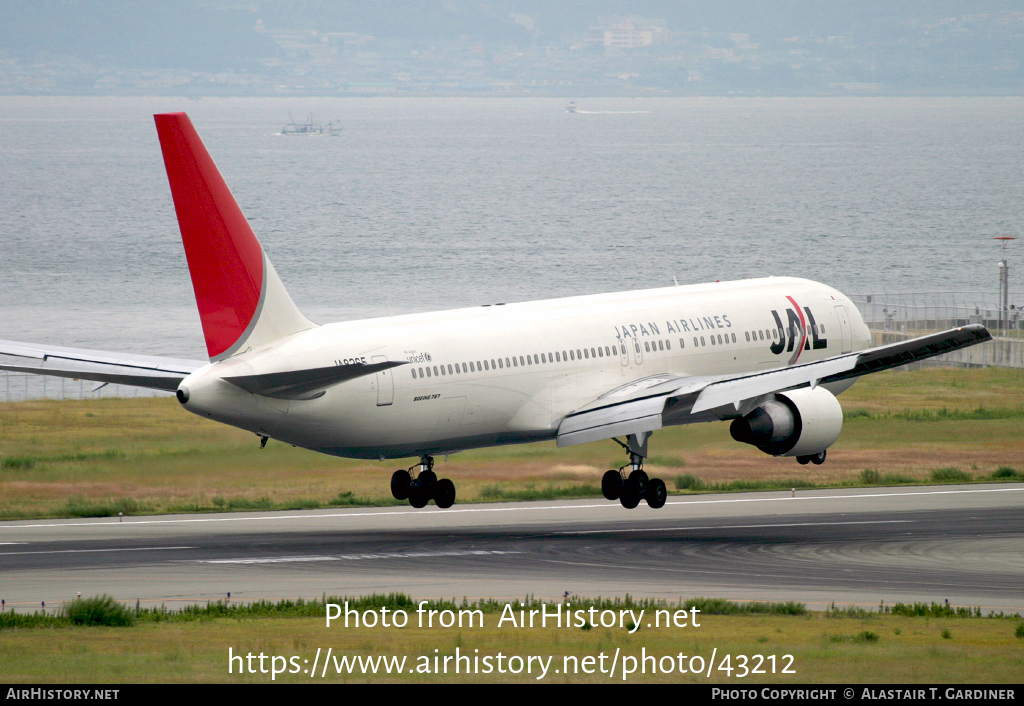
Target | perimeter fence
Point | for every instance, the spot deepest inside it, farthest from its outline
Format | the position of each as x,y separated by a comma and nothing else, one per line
896,316
891,316
20,387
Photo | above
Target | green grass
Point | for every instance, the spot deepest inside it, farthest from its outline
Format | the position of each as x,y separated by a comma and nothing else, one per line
147,456
190,645
531,492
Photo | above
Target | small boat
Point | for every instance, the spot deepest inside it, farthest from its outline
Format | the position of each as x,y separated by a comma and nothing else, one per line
308,127
571,108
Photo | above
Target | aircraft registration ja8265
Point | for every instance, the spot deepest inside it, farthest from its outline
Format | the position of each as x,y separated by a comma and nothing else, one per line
767,355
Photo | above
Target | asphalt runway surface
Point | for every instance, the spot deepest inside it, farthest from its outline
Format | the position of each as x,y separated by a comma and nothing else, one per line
964,544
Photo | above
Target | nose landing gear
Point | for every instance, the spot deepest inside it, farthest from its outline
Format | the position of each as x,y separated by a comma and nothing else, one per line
424,487
629,489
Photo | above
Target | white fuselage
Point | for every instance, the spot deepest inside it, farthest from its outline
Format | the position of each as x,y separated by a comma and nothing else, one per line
504,374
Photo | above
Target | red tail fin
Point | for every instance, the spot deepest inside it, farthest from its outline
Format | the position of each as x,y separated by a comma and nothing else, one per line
224,257
234,282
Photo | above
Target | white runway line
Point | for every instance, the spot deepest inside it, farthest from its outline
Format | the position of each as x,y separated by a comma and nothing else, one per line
721,527
92,551
534,508
352,557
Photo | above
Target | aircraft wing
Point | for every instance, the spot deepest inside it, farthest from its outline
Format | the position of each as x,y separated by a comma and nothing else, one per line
667,399
154,372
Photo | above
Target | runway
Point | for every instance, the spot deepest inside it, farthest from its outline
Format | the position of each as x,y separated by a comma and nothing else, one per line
964,544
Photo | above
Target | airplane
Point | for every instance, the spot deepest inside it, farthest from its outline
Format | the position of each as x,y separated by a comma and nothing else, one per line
767,355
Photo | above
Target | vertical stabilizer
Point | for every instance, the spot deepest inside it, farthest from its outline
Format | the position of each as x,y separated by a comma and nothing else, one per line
242,302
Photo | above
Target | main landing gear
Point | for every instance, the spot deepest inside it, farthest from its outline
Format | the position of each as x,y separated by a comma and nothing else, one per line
424,487
817,459
636,486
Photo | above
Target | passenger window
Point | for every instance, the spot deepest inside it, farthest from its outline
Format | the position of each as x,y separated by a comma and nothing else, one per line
486,366
661,345
748,335
442,370
500,363
647,346
719,339
668,345
493,366
543,358
822,327
450,370
521,361
508,363
600,352
593,353
435,370
414,373
694,341
579,356
734,338
572,355
681,344
464,369
623,347
702,341
586,354
428,371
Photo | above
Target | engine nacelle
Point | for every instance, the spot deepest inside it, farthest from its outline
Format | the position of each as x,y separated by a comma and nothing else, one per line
796,423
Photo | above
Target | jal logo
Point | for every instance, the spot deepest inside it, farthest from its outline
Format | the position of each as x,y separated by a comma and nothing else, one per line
793,333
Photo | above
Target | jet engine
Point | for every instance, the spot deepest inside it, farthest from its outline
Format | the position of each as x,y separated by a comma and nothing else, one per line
800,422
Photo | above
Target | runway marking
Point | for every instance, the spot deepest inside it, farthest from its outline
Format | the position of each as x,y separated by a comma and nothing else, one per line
353,557
6,543
795,579
91,551
717,527
543,508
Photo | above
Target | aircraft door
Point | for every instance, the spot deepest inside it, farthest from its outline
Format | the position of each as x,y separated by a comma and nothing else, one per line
623,354
844,329
638,351
385,383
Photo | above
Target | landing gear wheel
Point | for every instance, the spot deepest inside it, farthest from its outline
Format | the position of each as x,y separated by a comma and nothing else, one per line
444,493
629,495
818,458
419,494
611,482
428,478
656,493
803,460
639,479
400,481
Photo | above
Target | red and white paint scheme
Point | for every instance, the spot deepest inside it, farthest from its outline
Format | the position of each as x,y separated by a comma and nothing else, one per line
768,355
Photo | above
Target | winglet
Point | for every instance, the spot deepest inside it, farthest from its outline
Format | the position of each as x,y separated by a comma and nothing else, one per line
234,283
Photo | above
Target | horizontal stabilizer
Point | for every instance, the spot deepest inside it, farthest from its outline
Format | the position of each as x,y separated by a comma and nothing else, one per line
153,372
306,384
153,381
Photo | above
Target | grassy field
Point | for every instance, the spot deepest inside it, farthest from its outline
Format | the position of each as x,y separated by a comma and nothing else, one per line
145,455
872,648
